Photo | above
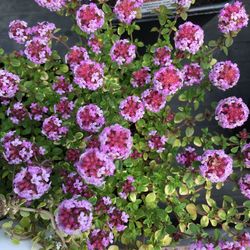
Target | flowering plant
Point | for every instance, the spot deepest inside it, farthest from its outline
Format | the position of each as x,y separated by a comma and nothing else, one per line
93,153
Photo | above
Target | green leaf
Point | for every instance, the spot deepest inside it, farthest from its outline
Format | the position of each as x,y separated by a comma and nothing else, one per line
192,210
179,117
204,221
189,131
239,226
197,141
222,214
150,198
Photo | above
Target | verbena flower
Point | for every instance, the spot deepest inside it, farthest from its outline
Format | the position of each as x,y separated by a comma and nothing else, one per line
156,141
216,166
141,77
162,56
64,108
246,154
187,157
127,187
76,55
18,31
244,184
37,111
61,86
192,74
32,182
231,112
117,219
17,113
95,44
52,5
99,239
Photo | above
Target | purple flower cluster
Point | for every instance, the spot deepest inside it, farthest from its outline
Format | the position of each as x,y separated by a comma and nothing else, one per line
246,154
189,37
187,157
53,129
231,112
216,165
99,239
233,17
132,109
37,111
32,182
156,142
117,219
93,166
72,155
74,216
126,10
52,5
192,74
123,52
116,141
199,245
102,206
127,187
141,77
90,118
230,245
162,56
95,44
76,55
17,113
183,3
244,184
90,18
224,75
64,108
18,31
61,86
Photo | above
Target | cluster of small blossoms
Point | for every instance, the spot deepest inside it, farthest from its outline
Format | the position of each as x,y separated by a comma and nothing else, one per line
90,18
61,86
224,75
92,142
17,113
199,245
123,52
93,166
168,80
89,74
18,31
99,239
231,112
162,56
244,184
156,141
141,77
244,239
189,37
229,245
132,109
127,187
183,3
76,55
37,111
246,154
116,141
126,10
216,165
102,206
192,74
117,219
153,100
233,17
95,44
187,157
90,118
32,182
74,216
64,108
17,150
53,129
52,5
136,154
73,185
72,155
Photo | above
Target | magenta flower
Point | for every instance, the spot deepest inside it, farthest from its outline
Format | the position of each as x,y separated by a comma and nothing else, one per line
17,113
189,37
117,219
64,108
162,56
76,55
52,5
18,31
32,182
224,75
141,77
37,50
95,44
216,166
132,109
90,18
92,142
228,245
99,239
193,74
103,205
90,118
9,84
244,239
126,10
61,86
168,80
74,216
231,112
116,141
37,111
89,74
187,157
72,155
53,129
123,52
244,184
183,3
246,154
156,142
199,245
93,166
153,100
233,17
127,187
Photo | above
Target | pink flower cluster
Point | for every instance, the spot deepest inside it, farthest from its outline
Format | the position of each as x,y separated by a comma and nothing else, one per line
189,37
231,112
224,75
102,206
192,74
183,3
233,17
89,74
61,86
90,18
123,52
141,77
90,118
127,187
187,157
116,141
74,216
117,219
17,113
162,56
99,239
156,141
126,10
32,182
52,5
72,155
244,184
132,109
53,128
64,108
199,245
18,31
37,111
168,80
216,165
95,44
93,166
246,154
